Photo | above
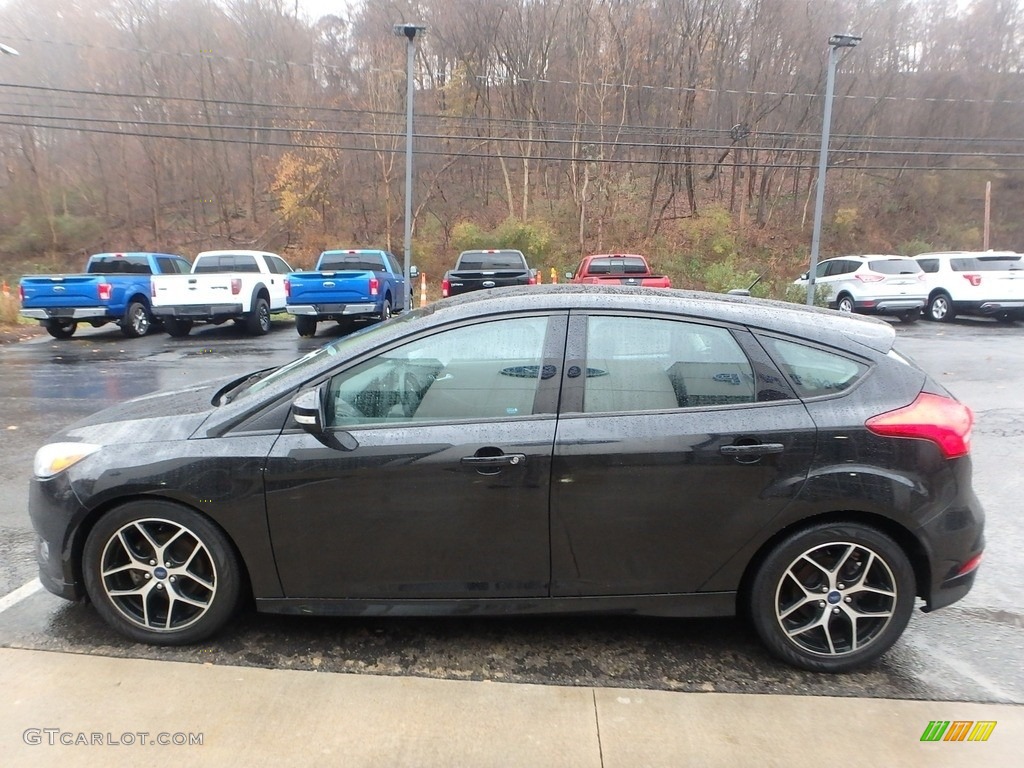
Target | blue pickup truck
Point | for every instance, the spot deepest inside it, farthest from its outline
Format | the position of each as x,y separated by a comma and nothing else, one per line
345,286
115,288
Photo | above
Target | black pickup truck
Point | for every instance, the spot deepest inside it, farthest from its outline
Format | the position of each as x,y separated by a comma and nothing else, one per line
476,270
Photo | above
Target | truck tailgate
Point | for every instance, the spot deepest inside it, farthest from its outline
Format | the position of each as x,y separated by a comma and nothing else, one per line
61,291
208,288
329,287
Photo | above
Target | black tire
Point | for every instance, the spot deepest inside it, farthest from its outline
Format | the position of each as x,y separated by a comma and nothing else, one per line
852,567
347,325
61,329
177,327
136,321
940,308
1006,318
305,325
257,322
910,316
180,591
385,310
845,303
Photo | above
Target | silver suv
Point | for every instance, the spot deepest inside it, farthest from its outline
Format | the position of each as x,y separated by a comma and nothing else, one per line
985,283
873,284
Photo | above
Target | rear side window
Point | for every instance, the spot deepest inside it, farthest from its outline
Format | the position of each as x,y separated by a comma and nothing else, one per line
231,262
352,262
814,371
894,266
650,364
120,265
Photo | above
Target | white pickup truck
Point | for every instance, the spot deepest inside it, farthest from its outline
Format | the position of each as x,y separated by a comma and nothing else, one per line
244,286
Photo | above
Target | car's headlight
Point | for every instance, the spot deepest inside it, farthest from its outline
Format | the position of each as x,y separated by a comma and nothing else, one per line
56,457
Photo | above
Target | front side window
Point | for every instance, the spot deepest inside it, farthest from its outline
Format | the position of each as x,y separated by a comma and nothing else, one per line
650,364
485,371
930,266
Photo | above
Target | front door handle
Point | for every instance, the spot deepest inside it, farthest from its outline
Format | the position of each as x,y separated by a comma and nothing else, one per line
505,459
747,451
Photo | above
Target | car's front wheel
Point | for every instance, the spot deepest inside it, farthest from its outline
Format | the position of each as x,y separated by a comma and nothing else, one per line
176,327
845,304
61,329
305,325
161,573
833,597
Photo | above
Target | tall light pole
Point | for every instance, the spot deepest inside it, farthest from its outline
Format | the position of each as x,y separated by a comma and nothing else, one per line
409,32
835,43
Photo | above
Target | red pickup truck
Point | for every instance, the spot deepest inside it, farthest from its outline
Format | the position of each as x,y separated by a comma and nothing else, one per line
618,269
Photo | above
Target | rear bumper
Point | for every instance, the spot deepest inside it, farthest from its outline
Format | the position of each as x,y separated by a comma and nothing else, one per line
890,305
67,313
332,310
990,306
198,311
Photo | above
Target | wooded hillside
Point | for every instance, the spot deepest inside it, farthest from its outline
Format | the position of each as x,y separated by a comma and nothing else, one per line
684,129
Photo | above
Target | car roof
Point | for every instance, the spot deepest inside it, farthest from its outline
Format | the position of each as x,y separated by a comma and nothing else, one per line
824,325
893,256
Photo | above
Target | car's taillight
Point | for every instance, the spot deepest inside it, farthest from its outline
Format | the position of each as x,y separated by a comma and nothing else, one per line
287,288
942,420
870,278
21,293
974,280
104,291
446,287
236,286
374,286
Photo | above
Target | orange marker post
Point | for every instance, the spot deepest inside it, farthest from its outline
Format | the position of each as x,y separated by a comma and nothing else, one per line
423,289
554,275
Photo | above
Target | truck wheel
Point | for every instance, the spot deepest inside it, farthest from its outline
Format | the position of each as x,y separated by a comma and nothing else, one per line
177,328
61,329
257,322
136,320
385,310
305,325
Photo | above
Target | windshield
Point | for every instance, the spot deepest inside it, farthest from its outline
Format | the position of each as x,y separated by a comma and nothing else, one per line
297,370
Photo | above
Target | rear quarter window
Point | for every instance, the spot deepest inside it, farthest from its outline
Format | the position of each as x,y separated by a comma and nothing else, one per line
813,371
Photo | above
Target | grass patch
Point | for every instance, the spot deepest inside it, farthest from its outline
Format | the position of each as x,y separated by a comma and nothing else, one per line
9,306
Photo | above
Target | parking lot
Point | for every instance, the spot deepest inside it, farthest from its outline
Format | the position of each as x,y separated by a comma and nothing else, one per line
972,651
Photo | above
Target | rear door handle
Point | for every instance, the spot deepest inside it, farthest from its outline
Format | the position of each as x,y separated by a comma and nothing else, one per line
505,459
760,449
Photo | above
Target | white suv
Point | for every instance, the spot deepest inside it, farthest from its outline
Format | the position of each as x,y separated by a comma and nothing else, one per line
986,283
873,284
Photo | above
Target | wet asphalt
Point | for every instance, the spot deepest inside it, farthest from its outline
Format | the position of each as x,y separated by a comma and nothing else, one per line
971,651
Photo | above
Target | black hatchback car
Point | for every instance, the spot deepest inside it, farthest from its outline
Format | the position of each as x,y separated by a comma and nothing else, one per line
572,449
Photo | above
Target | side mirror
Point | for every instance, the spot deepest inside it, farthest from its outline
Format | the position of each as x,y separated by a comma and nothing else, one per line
568,275
414,271
803,276
308,410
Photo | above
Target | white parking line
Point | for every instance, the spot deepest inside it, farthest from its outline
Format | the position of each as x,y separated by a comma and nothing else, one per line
11,599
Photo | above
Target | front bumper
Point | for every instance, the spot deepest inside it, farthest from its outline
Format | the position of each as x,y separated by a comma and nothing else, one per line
66,313
56,514
325,310
198,311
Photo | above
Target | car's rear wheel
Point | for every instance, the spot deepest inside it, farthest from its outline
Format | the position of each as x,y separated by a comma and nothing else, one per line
257,322
940,308
845,303
136,320
61,329
161,573
176,327
833,597
305,325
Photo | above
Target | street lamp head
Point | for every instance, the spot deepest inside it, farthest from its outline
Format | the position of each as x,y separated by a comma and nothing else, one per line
844,41
409,30
8,50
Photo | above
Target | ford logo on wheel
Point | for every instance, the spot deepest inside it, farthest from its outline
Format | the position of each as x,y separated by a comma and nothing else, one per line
488,283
